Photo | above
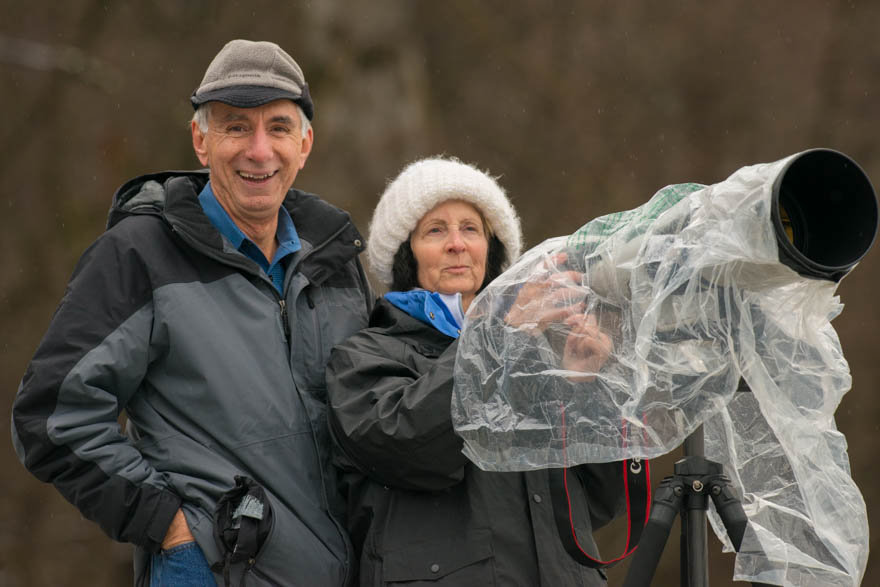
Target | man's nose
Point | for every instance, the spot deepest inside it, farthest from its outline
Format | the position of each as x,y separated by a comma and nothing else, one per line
259,146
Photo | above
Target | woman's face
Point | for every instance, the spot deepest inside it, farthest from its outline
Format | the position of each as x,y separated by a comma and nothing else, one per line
450,246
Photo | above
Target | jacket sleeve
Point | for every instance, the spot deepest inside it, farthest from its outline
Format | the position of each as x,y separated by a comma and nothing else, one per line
65,417
391,422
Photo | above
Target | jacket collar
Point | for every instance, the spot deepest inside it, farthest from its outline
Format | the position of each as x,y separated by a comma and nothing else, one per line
329,237
386,316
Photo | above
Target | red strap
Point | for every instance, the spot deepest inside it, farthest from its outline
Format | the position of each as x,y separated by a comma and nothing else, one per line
637,486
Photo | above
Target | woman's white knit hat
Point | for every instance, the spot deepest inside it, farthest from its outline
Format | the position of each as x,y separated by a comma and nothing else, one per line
420,187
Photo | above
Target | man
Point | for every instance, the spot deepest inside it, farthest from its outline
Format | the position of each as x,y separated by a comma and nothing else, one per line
207,311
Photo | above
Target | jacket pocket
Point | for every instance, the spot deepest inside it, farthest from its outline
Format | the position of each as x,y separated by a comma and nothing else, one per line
243,521
462,561
279,548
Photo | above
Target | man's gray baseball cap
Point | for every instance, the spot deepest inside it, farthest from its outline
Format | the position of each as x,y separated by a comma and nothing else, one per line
247,74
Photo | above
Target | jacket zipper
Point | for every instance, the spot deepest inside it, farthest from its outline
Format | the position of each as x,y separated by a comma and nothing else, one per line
284,323
238,264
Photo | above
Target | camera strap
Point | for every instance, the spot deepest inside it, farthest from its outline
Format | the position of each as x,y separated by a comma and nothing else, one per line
637,488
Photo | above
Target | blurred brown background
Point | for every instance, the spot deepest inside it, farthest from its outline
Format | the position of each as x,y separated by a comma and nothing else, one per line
582,108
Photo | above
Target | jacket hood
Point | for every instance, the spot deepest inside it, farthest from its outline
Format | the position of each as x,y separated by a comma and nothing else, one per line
146,194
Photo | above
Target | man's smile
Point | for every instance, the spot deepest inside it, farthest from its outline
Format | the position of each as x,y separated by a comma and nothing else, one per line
256,177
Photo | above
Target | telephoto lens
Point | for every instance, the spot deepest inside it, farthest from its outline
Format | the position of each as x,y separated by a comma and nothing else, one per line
824,214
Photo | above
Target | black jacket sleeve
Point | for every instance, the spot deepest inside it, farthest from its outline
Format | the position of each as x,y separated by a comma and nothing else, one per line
65,416
390,412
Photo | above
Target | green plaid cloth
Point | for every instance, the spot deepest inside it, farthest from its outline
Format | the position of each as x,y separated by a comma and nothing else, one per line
636,220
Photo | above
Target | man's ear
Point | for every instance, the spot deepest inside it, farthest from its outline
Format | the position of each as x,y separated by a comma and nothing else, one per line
199,146
306,146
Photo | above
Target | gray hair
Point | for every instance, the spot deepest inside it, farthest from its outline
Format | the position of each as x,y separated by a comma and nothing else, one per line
203,114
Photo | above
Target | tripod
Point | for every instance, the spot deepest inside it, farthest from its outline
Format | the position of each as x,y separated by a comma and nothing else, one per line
696,480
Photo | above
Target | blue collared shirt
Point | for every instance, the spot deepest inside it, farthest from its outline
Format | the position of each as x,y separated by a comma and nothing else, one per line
288,240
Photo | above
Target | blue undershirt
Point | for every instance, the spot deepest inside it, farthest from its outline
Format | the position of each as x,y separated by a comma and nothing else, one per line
285,234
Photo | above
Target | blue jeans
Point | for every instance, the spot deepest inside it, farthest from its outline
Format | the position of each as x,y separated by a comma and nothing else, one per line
184,565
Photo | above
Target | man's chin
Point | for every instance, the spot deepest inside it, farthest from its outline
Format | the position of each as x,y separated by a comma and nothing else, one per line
260,194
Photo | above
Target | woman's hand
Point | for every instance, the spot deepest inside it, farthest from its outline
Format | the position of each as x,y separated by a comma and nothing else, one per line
587,347
550,297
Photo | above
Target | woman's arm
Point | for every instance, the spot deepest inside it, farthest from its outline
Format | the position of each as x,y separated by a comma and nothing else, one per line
388,419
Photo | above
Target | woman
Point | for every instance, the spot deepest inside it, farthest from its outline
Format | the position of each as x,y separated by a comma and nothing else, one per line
419,511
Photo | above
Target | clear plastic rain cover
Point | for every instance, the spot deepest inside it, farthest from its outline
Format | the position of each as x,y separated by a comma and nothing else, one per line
690,290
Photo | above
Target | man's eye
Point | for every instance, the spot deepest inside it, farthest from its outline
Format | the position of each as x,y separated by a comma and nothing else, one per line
280,130
235,129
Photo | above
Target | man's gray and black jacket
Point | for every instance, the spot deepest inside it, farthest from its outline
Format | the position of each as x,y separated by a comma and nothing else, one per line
219,376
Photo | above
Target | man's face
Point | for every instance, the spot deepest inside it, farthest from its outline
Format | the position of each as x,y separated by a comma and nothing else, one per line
254,155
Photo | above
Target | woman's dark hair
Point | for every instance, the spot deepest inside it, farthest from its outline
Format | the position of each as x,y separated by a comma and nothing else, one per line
404,270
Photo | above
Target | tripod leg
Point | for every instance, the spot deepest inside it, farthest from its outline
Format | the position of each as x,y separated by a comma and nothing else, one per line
664,508
683,577
731,512
694,544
